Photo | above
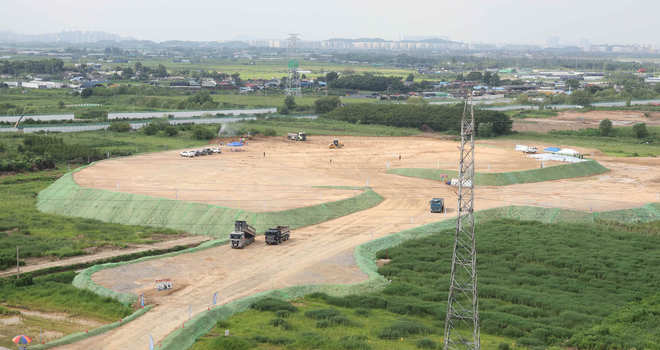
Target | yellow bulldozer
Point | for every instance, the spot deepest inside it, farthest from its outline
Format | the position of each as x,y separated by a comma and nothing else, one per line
336,144
248,136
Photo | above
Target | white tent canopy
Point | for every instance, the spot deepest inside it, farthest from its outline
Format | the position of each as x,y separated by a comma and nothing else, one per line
568,151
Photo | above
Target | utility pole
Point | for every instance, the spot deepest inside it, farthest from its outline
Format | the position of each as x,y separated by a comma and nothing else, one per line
293,87
463,301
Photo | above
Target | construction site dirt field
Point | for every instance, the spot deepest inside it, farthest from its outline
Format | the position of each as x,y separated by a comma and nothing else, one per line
571,120
285,178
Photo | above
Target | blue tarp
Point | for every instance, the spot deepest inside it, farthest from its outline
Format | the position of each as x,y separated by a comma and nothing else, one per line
235,144
551,149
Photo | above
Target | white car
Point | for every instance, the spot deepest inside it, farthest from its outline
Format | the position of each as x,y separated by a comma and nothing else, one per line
188,154
217,150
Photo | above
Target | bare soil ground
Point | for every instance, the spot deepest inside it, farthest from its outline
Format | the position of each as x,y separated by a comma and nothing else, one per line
321,253
571,120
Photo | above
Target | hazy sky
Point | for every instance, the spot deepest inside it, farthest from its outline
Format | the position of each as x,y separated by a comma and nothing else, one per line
491,21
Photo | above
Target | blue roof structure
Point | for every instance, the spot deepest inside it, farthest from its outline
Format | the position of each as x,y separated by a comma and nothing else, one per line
551,149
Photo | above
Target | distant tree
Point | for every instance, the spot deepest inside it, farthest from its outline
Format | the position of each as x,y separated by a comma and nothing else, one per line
460,77
521,100
474,76
201,97
161,71
333,75
202,133
327,104
485,130
486,78
628,102
303,76
270,132
290,102
640,130
581,97
410,77
495,80
138,67
605,127
60,104
86,92
573,84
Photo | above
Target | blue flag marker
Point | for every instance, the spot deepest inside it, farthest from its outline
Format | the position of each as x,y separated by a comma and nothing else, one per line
215,298
151,342
142,299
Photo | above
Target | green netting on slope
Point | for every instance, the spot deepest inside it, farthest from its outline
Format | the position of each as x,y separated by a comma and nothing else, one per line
76,337
555,172
65,197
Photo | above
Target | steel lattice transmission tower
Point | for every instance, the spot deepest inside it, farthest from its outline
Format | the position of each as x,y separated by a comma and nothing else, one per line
293,80
462,325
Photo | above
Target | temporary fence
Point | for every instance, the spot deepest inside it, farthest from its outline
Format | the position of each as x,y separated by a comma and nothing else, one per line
555,172
66,197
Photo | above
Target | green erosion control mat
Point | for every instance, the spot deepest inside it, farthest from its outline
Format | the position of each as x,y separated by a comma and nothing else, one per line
66,197
555,172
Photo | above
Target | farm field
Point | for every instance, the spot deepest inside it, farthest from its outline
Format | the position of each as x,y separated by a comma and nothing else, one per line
322,253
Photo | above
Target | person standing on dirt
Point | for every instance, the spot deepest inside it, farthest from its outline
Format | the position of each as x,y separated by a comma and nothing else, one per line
264,154
330,160
399,157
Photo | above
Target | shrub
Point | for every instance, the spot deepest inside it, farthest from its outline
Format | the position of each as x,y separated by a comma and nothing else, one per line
485,130
150,129
322,324
270,132
605,127
222,324
503,346
274,305
282,313
278,322
229,343
120,126
426,343
171,130
281,341
640,130
341,321
321,314
402,327
202,133
362,312
354,342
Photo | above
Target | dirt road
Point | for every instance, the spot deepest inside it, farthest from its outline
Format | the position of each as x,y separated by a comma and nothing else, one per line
323,253
41,264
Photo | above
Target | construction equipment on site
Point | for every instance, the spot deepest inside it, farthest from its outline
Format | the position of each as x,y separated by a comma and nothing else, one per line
277,235
243,235
336,144
437,205
248,135
301,136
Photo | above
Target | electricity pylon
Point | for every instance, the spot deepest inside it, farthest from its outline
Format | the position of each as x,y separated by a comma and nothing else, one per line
293,80
462,325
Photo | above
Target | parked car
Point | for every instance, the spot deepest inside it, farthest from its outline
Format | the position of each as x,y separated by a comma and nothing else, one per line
188,154
198,152
217,150
208,151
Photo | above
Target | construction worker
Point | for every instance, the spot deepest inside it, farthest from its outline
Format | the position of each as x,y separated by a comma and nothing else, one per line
264,154
330,160
399,157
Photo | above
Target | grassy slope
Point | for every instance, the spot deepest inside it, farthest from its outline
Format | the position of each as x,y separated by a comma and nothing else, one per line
42,234
253,326
562,171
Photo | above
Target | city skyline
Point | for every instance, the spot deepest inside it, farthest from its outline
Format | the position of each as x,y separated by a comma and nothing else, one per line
496,22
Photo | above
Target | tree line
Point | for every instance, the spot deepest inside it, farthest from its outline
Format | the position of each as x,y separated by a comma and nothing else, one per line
423,117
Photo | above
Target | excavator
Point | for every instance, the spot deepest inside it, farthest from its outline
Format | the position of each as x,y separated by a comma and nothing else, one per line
248,135
336,144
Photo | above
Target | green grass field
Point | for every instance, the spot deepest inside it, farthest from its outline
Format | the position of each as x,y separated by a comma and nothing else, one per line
309,328
622,143
540,285
40,234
